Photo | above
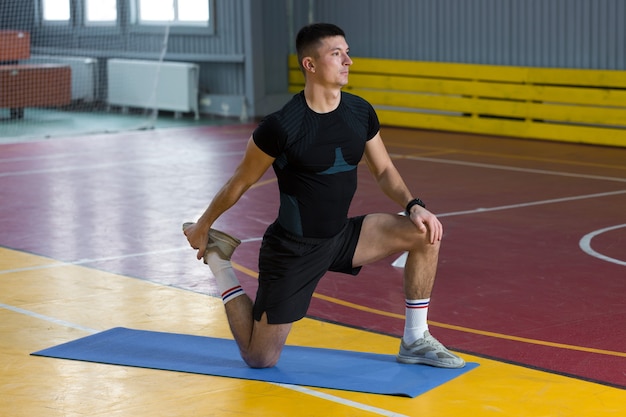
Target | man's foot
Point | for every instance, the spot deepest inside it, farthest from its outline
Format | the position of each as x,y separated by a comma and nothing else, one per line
221,242
428,351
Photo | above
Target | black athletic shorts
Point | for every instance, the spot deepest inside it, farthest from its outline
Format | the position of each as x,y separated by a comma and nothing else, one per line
290,267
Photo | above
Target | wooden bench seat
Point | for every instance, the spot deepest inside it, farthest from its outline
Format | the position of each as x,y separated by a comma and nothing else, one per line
574,105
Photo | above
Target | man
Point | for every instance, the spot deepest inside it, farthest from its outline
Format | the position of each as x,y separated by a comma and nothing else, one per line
314,144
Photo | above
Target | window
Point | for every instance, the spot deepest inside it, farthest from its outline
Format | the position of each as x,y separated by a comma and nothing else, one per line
100,11
178,12
193,14
55,10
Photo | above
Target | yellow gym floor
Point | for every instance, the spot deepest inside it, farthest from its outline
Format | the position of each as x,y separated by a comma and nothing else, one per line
44,302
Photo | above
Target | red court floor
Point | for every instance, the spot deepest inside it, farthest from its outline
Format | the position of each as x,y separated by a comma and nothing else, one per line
533,263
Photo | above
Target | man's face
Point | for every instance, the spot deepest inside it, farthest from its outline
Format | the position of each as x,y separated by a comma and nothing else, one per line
332,61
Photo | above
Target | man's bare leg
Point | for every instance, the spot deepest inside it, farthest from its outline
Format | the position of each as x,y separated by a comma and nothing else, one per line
385,234
260,343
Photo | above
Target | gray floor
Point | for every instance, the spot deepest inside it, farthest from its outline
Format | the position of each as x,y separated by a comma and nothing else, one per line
38,124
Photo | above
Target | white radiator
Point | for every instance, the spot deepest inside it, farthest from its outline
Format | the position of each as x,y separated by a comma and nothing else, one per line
84,74
153,85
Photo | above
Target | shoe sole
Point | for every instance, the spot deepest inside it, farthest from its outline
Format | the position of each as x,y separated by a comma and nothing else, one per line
412,360
215,234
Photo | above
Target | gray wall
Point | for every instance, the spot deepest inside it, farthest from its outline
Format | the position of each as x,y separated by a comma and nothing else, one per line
551,33
246,55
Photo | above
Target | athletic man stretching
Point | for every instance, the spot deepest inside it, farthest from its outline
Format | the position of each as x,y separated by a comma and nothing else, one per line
314,144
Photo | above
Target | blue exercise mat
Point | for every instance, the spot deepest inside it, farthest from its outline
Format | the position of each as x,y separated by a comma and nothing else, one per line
314,367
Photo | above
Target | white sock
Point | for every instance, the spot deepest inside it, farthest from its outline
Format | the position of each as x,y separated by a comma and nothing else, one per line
227,282
415,323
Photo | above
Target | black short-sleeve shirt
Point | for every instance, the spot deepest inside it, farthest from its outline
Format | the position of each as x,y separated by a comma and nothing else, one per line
316,160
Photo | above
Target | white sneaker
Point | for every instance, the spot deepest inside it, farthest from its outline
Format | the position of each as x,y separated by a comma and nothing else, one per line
219,241
428,351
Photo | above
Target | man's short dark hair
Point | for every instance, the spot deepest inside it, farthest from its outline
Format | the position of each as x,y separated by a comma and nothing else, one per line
310,36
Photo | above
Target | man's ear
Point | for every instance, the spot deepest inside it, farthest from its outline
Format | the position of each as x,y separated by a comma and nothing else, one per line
307,64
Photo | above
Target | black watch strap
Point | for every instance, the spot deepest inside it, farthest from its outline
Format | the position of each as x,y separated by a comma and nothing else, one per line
414,202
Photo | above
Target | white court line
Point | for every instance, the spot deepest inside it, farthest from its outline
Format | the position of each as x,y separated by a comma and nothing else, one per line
80,167
48,318
532,203
508,168
90,261
585,245
400,262
108,258
352,404
107,165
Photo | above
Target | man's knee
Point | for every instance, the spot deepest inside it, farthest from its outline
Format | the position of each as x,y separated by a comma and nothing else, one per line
421,242
263,359
266,344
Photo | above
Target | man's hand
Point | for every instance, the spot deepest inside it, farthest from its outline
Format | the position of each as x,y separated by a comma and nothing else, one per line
197,236
427,222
